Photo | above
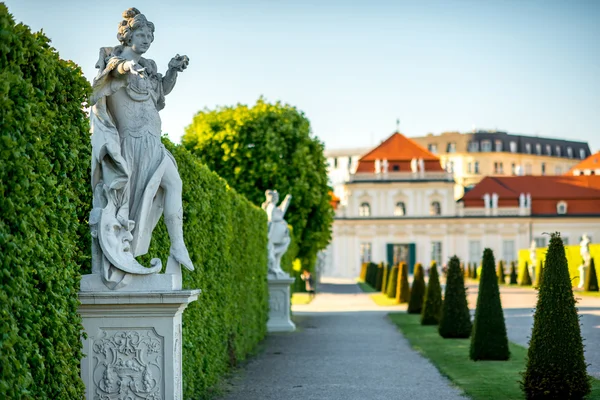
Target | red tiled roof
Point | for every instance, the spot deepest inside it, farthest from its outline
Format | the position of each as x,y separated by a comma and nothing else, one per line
399,151
591,163
581,192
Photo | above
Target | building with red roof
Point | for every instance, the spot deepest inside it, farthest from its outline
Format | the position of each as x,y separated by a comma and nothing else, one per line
589,166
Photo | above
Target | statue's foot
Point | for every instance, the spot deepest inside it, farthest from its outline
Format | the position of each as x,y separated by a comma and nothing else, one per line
179,251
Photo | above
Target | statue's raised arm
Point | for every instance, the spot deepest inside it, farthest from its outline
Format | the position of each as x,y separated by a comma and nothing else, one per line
285,204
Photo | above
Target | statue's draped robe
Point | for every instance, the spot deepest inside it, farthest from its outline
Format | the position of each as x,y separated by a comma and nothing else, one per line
130,158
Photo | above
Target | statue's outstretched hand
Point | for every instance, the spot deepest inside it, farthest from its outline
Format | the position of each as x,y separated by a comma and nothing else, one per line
179,63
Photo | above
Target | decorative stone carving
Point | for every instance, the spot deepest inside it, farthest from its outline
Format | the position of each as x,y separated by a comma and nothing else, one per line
279,305
134,178
278,231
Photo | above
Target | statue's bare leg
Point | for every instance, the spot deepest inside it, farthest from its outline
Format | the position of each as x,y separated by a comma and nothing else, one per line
173,215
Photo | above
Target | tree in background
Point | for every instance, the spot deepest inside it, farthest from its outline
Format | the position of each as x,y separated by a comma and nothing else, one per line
269,146
556,366
403,291
525,277
432,306
455,321
392,283
489,340
513,273
501,275
591,279
417,292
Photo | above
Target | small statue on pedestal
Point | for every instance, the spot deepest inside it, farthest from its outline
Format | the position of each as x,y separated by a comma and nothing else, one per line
584,250
278,231
533,259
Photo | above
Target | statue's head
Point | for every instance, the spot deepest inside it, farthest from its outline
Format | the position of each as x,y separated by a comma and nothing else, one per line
135,31
272,196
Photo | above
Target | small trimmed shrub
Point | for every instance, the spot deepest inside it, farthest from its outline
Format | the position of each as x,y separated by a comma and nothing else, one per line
455,321
539,273
525,277
386,274
556,367
501,275
417,292
489,340
392,282
403,291
379,277
371,274
475,271
591,279
363,272
432,306
513,273
469,271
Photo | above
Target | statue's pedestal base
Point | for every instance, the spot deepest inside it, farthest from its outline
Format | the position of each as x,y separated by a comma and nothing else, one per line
133,345
279,305
582,275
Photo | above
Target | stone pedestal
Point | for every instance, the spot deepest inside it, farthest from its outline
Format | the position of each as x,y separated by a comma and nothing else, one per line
279,305
582,275
133,345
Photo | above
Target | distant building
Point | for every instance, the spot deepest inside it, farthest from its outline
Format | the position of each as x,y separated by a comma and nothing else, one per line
398,204
473,156
589,166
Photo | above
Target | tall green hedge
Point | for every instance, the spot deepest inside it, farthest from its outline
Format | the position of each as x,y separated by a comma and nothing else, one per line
392,282
417,292
44,201
525,276
591,279
455,321
379,277
556,367
501,274
513,273
432,306
227,240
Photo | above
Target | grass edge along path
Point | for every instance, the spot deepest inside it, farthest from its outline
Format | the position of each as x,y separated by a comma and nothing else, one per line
365,287
480,380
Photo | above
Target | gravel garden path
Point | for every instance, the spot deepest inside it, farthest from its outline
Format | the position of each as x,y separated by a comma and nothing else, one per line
344,348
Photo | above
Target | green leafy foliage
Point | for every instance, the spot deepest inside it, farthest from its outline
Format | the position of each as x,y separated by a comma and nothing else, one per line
432,306
474,271
455,321
556,367
371,274
525,276
468,271
379,277
44,168
501,275
591,280
513,273
417,292
489,340
269,146
403,290
392,283
227,240
386,273
539,273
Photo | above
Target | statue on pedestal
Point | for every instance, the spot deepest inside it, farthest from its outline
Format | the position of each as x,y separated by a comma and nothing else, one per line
584,250
533,259
278,231
134,177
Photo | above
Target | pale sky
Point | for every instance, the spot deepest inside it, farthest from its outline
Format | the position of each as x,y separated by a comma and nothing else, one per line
353,67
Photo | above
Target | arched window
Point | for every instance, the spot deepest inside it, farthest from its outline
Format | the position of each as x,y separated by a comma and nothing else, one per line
364,210
400,209
561,207
436,208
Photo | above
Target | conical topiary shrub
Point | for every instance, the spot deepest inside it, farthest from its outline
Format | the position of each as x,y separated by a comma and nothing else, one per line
392,282
513,273
525,277
501,275
432,305
591,279
489,340
403,291
469,271
379,278
455,321
363,271
475,271
556,367
539,273
386,273
417,292
466,270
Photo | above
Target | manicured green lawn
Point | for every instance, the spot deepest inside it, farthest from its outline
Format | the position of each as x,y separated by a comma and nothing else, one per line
301,298
481,380
382,300
365,287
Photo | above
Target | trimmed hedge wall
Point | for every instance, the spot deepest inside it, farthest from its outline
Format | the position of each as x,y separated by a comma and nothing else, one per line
44,200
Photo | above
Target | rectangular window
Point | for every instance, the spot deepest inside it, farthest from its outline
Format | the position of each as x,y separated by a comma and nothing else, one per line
451,148
513,147
476,167
558,151
498,145
436,252
569,152
475,251
548,150
540,242
432,147
473,147
365,252
470,168
543,168
538,149
498,168
508,250
513,169
581,153
528,148
335,162
486,146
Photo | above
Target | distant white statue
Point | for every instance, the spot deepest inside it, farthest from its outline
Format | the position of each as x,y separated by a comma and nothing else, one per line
385,165
413,165
378,166
495,200
486,200
278,231
421,165
584,250
533,259
522,200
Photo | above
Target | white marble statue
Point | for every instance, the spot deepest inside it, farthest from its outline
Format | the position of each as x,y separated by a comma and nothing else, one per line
533,259
134,178
413,165
378,166
495,200
584,251
278,231
384,166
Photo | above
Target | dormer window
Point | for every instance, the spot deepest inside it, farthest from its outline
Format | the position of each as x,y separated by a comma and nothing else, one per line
570,152
548,150
498,145
473,147
513,147
558,151
538,149
436,208
486,146
432,147
528,148
400,209
561,207
581,153
364,210
451,147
